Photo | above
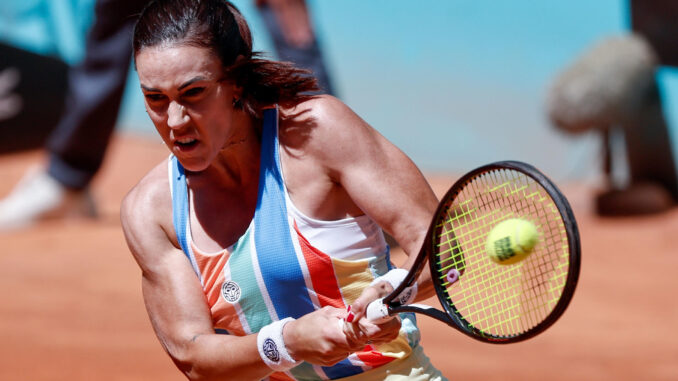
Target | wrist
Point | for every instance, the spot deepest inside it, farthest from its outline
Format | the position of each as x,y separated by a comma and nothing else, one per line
395,277
272,348
290,339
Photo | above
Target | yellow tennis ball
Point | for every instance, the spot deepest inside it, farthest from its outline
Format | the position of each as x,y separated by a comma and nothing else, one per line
511,241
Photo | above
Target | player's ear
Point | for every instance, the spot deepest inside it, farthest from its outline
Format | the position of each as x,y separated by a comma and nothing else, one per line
237,92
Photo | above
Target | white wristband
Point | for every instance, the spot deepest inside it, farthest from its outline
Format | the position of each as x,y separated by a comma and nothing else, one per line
395,277
271,346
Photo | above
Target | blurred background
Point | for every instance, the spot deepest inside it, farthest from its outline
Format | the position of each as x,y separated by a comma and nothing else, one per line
453,83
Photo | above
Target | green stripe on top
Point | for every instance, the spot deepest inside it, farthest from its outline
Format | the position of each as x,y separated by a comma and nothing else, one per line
380,264
252,303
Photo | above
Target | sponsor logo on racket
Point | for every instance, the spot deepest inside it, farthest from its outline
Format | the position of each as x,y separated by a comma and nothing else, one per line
230,291
405,296
271,350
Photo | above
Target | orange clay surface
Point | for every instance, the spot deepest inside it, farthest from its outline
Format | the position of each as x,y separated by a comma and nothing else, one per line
71,306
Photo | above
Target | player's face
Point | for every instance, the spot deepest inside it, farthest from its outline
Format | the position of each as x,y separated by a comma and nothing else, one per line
188,100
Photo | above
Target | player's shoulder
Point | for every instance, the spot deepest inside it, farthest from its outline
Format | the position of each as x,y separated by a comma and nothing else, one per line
321,122
322,109
149,200
146,217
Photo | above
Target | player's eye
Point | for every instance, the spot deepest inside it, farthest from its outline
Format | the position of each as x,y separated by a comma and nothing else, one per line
154,97
194,91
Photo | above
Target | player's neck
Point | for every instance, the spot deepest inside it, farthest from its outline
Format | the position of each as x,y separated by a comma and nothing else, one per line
237,163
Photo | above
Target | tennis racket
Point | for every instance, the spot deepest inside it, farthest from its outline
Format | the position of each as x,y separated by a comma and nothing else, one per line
493,302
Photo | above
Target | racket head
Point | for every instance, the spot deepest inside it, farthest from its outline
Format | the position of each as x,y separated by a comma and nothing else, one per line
503,303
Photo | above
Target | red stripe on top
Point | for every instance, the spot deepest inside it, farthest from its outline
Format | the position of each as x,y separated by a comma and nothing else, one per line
321,269
279,376
373,358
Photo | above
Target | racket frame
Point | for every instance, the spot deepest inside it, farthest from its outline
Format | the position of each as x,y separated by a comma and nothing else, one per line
451,316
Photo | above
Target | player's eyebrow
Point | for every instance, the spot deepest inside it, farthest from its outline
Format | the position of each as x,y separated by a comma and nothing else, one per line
183,86
191,81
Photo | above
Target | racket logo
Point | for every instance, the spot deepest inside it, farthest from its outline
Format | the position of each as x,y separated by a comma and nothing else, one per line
271,350
230,291
405,296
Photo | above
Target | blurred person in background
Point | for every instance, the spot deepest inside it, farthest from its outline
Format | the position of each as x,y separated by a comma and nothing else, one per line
77,146
289,25
613,88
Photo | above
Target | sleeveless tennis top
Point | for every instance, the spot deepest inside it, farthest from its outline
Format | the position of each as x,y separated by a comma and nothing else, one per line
273,271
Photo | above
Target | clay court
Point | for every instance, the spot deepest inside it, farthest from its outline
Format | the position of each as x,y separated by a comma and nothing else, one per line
72,306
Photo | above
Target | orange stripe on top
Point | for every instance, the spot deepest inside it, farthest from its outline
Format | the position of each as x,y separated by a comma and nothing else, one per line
224,314
210,266
322,274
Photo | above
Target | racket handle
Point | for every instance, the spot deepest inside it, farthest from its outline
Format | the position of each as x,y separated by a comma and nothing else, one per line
377,312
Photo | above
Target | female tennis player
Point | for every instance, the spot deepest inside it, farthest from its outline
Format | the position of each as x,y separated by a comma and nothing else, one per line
260,237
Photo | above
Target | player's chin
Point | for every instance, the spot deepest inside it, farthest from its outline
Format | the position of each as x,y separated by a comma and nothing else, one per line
193,163
196,159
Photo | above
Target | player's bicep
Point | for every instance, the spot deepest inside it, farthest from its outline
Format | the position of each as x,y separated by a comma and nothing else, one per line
385,184
171,289
388,186
382,181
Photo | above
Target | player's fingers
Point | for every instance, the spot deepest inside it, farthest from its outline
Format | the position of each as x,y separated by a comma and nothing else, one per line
357,310
355,337
381,333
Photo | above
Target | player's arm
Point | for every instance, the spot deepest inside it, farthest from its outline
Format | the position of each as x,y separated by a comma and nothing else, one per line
172,292
178,309
381,180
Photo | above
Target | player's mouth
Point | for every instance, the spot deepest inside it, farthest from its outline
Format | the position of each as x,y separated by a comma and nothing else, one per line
185,144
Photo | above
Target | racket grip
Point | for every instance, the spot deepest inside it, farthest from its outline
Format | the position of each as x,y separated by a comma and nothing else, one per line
377,312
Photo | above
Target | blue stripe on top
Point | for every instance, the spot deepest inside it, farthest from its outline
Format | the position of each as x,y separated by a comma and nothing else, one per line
180,215
179,202
276,255
278,262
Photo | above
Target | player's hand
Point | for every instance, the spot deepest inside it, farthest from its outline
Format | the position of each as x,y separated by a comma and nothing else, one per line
358,326
358,309
318,337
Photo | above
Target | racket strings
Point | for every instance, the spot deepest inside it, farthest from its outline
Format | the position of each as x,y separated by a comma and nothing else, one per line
537,307
501,300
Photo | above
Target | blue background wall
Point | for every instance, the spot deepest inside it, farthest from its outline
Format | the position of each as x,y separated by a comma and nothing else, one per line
454,83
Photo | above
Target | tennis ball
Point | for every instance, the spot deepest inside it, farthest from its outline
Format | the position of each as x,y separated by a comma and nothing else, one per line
511,241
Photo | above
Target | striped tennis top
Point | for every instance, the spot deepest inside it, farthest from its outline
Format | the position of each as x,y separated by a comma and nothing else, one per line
276,271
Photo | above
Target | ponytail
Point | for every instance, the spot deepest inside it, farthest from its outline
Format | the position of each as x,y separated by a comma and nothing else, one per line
266,82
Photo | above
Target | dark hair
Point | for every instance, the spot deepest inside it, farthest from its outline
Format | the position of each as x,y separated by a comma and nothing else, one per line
219,26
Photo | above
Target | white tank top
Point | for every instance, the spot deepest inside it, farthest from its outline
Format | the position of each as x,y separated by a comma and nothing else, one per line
349,238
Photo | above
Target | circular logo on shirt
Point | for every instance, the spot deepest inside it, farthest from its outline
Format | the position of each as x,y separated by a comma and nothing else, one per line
230,291
271,350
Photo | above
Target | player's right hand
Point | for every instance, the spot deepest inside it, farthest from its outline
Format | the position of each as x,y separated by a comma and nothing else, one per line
318,337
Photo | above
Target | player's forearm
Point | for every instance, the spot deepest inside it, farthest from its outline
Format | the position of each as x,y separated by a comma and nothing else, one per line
425,287
219,357
413,247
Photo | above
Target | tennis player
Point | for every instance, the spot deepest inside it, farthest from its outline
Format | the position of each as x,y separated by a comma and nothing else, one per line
260,237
